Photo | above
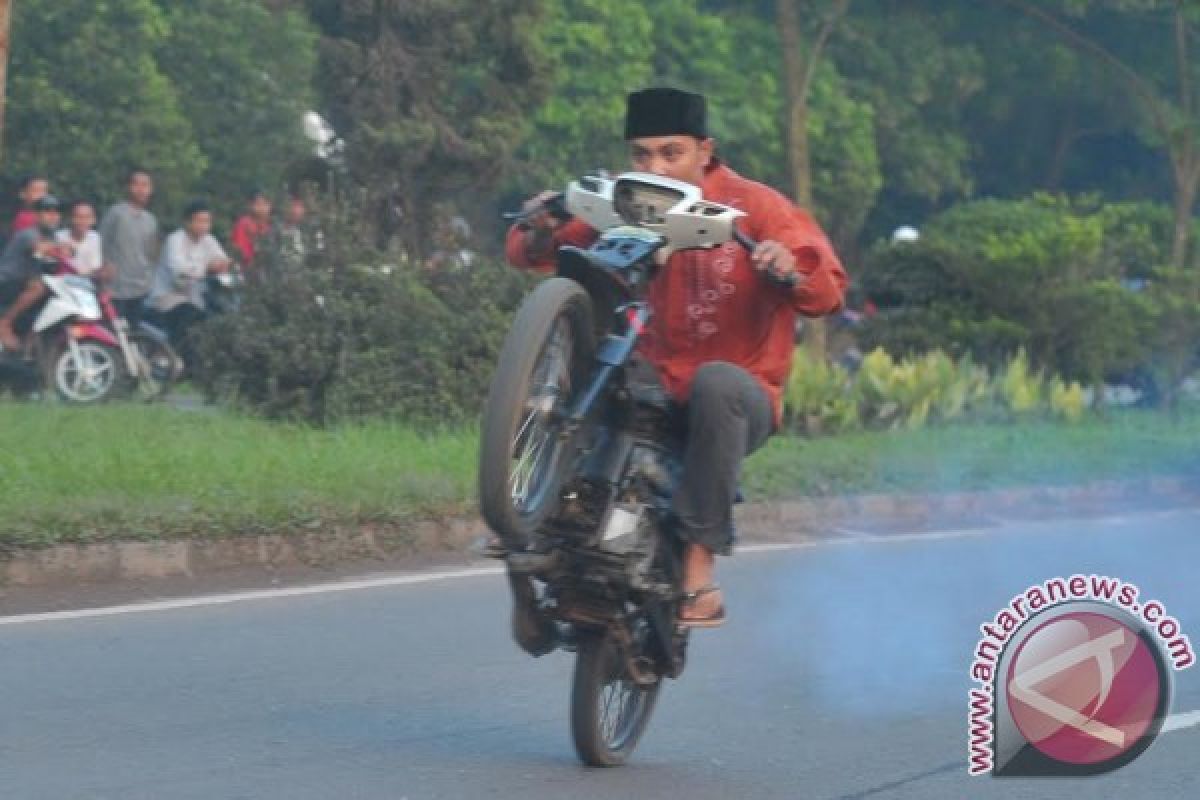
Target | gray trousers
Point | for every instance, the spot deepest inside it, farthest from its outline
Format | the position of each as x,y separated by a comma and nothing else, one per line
729,416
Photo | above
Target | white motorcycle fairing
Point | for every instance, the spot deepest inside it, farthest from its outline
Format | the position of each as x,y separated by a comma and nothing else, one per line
673,209
70,296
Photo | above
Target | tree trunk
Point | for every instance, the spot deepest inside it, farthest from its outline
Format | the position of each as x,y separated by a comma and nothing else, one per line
1182,151
1187,176
1067,134
5,26
1187,164
795,81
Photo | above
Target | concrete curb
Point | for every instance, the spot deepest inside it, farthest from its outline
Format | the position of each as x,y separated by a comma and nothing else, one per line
796,520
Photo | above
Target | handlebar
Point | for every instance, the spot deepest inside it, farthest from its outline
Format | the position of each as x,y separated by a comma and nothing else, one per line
790,281
555,206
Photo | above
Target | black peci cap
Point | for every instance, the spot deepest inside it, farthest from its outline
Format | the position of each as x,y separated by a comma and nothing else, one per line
47,202
665,112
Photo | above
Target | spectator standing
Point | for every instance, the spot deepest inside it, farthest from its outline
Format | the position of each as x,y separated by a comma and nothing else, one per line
32,189
250,228
87,251
189,256
129,235
292,240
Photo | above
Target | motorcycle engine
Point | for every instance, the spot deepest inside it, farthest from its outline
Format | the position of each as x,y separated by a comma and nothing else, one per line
631,527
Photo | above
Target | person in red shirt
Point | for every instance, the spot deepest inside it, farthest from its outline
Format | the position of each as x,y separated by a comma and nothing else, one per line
32,189
251,227
722,334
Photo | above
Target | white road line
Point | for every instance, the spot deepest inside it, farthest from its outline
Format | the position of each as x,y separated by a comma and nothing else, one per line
850,533
1181,721
366,583
260,594
850,539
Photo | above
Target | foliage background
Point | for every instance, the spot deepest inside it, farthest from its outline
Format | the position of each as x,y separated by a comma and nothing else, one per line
1049,152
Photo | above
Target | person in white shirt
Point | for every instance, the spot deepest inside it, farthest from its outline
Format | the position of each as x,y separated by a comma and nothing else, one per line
87,257
189,256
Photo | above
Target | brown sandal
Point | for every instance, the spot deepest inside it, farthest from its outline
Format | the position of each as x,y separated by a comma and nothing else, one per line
713,620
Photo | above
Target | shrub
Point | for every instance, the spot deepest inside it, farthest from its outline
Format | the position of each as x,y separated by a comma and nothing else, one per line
929,389
817,399
1174,332
1053,277
323,345
1020,388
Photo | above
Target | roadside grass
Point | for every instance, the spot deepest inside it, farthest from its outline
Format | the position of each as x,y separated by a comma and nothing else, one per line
139,472
1119,445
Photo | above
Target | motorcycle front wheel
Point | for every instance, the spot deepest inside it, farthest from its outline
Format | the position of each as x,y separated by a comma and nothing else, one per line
609,710
543,363
85,374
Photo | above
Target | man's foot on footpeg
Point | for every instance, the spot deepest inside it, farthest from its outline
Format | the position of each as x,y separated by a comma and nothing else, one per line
490,546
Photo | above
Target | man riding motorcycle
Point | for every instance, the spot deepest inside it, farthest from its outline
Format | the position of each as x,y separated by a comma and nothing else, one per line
722,333
21,269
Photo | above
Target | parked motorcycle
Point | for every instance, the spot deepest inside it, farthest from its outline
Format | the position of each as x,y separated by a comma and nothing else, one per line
84,351
223,290
581,452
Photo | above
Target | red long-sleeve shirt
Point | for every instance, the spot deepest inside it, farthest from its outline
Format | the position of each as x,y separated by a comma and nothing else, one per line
246,233
713,305
24,219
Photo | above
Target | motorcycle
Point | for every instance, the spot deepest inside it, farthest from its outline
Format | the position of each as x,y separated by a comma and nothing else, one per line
85,352
581,451
223,291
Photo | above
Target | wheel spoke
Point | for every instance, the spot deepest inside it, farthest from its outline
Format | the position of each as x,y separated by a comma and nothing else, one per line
608,720
86,373
535,441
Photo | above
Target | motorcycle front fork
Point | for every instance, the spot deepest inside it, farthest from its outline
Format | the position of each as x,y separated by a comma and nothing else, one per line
133,359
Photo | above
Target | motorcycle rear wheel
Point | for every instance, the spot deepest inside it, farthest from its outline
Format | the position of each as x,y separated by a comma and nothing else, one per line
543,363
609,710
162,365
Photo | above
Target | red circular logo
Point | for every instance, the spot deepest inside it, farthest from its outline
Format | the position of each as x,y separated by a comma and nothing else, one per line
1084,688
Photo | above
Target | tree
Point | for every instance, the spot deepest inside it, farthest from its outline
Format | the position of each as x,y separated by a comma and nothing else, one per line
88,99
5,27
206,95
901,60
431,96
244,77
1156,71
597,51
800,61
601,51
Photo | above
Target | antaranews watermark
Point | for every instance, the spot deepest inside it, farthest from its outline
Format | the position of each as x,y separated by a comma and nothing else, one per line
1074,679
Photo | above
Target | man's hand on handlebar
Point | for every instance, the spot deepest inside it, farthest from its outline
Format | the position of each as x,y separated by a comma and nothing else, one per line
50,249
773,257
543,220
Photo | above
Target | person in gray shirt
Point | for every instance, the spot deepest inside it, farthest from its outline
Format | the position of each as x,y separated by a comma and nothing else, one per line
130,236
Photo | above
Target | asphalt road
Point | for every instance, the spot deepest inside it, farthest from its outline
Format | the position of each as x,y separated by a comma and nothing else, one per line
841,674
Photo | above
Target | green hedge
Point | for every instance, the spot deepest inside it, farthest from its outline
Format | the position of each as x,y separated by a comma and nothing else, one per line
1081,287
321,345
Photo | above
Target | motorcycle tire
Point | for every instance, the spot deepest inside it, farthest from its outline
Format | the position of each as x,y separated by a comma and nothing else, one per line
609,711
543,362
102,377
